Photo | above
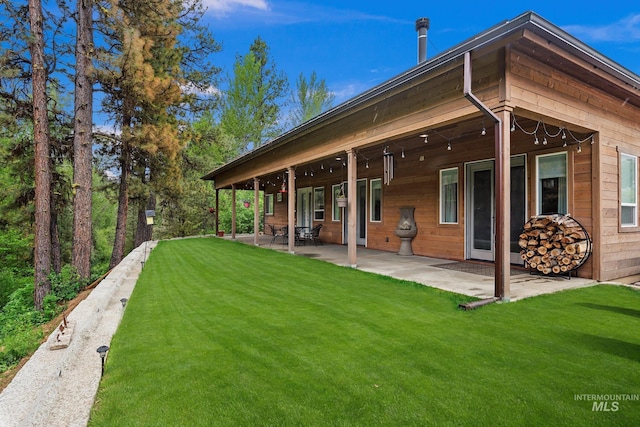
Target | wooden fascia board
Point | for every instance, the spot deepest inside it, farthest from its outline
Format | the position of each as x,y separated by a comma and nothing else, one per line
597,70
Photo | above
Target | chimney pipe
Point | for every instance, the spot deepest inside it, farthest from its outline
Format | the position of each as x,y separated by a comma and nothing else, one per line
422,25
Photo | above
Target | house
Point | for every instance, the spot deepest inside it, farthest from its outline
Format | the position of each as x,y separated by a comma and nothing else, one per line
519,121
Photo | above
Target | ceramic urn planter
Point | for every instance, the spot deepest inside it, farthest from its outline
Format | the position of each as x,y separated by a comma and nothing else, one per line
406,230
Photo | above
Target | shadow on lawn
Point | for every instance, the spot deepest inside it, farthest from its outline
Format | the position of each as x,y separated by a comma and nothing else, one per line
612,346
622,310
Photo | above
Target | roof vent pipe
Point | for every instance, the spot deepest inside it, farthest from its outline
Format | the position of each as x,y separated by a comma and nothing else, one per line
422,26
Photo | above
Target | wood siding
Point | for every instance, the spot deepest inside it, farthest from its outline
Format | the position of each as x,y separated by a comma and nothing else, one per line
535,90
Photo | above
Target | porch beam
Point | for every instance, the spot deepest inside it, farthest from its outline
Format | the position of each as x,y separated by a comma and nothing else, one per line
233,211
502,186
256,211
352,175
291,208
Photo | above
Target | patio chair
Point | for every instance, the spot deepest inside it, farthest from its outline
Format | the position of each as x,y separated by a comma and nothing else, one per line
276,233
314,234
300,236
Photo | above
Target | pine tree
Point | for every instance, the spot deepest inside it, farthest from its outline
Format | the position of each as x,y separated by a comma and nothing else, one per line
42,245
82,141
145,75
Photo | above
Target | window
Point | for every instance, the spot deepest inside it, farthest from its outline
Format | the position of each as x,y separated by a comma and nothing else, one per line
551,170
318,204
449,196
628,190
268,204
376,200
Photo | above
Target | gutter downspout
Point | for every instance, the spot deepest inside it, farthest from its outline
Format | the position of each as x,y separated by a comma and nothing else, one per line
502,217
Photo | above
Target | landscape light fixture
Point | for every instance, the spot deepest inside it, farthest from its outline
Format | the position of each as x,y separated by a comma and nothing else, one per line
102,350
123,301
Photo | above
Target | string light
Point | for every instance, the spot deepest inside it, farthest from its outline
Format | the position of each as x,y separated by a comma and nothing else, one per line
426,137
366,165
402,152
484,129
449,146
564,133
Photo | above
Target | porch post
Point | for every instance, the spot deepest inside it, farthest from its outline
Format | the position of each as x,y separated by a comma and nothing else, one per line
233,211
502,185
217,225
291,205
503,206
352,174
256,211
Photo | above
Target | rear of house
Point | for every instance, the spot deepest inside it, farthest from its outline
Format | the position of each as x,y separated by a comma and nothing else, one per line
521,121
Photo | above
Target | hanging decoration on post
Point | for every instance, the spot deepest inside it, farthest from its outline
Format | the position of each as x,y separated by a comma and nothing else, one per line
388,165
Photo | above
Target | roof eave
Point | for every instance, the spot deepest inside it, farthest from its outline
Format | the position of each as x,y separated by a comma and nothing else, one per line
527,20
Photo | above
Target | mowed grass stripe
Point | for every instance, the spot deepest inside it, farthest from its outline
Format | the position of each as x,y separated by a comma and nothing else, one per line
220,333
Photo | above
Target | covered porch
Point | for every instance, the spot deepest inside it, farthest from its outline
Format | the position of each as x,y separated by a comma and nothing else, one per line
475,142
470,278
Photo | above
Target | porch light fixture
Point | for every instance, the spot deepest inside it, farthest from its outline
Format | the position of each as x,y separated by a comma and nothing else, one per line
102,351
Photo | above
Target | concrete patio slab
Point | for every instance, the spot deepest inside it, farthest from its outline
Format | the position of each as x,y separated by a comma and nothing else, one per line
428,271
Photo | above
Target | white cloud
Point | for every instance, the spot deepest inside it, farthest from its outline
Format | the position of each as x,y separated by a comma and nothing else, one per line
190,88
348,90
625,30
222,6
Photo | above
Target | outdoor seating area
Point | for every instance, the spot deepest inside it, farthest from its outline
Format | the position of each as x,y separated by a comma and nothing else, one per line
303,235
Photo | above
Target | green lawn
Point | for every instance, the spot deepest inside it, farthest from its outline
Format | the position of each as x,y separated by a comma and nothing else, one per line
221,333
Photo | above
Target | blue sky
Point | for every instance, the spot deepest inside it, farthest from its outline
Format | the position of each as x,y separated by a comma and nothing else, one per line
355,45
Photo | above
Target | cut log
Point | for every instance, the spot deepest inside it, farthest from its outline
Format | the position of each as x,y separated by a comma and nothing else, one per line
553,244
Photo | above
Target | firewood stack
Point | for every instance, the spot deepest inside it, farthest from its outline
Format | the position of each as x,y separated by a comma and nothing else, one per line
554,244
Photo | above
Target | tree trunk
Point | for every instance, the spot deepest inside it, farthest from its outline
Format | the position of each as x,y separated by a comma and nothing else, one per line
42,246
56,257
144,232
123,205
82,154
